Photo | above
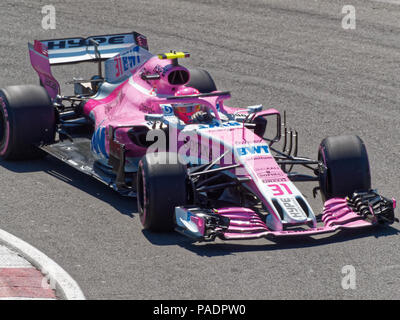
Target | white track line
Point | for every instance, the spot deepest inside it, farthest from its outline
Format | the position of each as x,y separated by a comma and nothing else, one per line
65,286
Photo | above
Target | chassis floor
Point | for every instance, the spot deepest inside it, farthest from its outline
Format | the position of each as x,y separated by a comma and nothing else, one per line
77,154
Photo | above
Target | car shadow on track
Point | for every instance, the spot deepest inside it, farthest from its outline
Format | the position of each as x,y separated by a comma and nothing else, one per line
127,206
67,174
222,248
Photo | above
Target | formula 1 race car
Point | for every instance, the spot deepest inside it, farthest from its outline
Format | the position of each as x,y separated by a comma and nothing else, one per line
155,130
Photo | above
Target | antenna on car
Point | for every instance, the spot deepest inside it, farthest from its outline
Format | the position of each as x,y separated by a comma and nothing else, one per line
173,55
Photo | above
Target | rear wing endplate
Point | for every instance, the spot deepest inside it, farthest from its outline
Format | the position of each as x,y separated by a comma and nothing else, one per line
38,54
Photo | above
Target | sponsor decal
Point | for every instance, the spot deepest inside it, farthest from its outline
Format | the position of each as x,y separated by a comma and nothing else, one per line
268,180
80,42
241,115
158,69
141,40
163,70
167,109
292,208
49,82
99,142
41,48
146,108
230,124
280,189
125,63
252,150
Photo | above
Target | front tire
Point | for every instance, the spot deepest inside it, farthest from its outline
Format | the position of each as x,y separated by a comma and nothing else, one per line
160,188
347,166
27,119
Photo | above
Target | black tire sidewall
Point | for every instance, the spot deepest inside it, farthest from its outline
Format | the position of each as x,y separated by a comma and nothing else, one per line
6,127
29,119
347,166
159,194
142,192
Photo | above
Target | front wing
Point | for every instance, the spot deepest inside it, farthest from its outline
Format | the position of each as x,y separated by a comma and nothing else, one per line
237,223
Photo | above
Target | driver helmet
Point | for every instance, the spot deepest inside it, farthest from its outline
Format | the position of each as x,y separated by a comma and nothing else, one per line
185,111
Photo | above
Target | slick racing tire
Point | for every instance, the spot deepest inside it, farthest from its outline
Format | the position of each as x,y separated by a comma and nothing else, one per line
27,119
160,188
347,166
201,80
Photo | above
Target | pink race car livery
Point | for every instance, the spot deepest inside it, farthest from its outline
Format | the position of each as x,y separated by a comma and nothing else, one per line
152,129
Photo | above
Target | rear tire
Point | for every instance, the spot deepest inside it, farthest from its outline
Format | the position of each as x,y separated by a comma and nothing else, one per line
201,80
160,188
27,119
348,171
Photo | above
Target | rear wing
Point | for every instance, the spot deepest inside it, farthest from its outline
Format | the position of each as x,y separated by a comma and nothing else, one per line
45,53
78,49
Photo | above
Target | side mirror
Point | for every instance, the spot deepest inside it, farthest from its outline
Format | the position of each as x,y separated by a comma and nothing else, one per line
254,109
270,133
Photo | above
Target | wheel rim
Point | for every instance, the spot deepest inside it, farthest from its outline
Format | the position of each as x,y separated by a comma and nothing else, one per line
141,195
323,180
2,127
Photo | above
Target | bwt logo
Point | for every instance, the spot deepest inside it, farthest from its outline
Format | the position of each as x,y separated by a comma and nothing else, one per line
244,151
129,60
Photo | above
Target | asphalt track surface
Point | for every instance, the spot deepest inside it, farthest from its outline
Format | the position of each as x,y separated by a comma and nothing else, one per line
291,55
